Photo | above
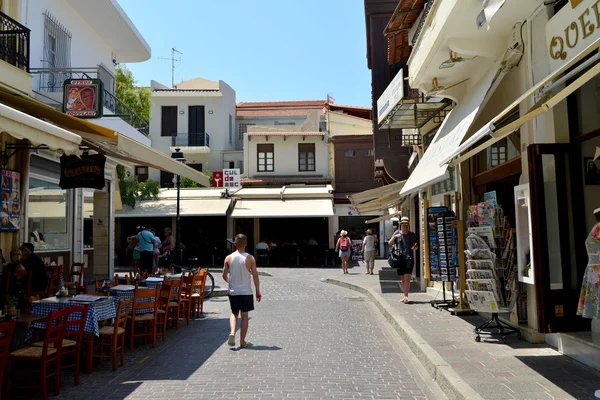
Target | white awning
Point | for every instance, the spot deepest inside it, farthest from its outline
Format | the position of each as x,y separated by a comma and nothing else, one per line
450,135
168,208
283,208
372,194
543,105
132,151
22,126
383,218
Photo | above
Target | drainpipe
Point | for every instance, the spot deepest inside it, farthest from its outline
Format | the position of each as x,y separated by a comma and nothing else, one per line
281,192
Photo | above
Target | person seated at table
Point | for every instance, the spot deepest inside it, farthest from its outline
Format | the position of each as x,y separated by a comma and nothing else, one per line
34,265
262,245
312,242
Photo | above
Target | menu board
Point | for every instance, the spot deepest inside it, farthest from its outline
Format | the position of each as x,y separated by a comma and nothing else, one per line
442,237
11,200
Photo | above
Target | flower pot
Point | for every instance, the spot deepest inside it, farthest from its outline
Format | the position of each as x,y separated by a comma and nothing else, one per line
12,310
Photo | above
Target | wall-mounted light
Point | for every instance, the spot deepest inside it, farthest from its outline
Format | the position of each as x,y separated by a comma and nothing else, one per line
181,112
210,111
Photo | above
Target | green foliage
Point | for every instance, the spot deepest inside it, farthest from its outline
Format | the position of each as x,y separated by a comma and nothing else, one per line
12,301
188,183
133,191
135,97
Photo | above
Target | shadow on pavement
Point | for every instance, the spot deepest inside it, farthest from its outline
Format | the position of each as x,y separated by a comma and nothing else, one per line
257,348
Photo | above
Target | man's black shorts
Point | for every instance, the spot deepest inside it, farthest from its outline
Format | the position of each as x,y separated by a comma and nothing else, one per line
408,269
243,303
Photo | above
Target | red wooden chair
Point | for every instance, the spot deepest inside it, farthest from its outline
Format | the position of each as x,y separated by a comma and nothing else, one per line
164,298
185,298
76,278
72,338
174,302
198,291
50,353
144,299
113,337
6,332
55,278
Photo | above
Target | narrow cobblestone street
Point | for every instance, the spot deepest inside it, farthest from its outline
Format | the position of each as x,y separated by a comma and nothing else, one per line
311,340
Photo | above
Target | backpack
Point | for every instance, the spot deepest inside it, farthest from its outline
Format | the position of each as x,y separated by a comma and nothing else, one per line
344,245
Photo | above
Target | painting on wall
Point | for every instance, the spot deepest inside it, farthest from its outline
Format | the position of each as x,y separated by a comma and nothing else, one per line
591,170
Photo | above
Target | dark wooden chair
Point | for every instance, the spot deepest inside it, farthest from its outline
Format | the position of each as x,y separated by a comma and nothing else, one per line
6,332
55,278
76,278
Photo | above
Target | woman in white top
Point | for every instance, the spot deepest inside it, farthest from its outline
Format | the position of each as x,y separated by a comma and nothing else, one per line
368,247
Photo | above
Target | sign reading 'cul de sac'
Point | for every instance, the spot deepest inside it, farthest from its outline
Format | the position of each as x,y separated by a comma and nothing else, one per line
231,178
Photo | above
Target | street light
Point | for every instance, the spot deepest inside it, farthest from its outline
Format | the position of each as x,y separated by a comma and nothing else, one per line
178,252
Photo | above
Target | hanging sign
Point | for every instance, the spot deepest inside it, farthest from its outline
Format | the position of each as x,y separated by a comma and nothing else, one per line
11,200
231,178
571,30
83,98
84,172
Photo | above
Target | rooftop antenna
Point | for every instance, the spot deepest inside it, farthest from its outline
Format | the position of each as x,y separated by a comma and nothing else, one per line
173,59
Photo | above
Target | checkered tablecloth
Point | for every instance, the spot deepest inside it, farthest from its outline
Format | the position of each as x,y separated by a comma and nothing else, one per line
99,310
152,283
119,295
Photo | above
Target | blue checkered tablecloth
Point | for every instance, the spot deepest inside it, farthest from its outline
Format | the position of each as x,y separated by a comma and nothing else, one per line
98,311
118,295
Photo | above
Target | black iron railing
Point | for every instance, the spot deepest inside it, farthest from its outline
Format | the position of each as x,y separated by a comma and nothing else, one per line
14,42
190,139
127,114
421,25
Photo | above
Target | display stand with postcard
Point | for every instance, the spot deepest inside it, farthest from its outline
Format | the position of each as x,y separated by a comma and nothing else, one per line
491,269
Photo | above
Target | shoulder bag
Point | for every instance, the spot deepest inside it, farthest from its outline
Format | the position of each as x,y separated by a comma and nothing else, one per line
397,257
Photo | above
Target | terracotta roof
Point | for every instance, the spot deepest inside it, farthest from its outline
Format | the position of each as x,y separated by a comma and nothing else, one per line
287,103
396,31
272,113
286,133
335,106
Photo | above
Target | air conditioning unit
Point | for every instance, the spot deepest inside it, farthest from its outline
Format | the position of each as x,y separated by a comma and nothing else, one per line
515,48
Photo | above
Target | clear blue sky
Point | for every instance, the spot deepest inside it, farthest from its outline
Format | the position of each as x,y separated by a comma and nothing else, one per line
264,49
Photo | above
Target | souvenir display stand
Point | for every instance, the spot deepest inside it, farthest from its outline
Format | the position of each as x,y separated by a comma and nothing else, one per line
491,269
442,243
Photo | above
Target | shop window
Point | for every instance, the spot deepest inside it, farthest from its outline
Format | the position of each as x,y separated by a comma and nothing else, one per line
447,185
168,122
141,173
242,129
47,220
349,153
306,157
88,218
166,179
498,153
265,157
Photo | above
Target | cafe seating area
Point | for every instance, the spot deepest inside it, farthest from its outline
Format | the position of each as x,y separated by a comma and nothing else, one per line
72,327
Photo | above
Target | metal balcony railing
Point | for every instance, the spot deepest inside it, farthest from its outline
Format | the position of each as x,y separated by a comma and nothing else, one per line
421,25
52,80
190,139
14,42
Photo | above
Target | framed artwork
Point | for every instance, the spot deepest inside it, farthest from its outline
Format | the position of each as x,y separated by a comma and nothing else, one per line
591,171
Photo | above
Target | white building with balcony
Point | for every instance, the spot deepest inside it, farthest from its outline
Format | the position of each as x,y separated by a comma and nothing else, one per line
198,117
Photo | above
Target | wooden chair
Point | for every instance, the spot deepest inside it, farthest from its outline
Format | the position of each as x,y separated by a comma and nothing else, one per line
113,337
121,280
174,302
164,298
198,291
55,278
144,299
72,338
99,289
185,298
76,278
50,353
6,332
143,274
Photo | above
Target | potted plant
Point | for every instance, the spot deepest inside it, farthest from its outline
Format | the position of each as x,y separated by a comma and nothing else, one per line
13,302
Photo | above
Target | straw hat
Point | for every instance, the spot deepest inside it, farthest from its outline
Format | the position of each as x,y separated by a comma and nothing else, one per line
596,211
369,231
405,220
343,233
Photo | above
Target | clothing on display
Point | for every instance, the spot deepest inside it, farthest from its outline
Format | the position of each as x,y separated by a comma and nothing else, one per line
589,299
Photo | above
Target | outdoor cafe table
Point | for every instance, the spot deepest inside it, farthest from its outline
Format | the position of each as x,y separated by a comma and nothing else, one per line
125,292
99,310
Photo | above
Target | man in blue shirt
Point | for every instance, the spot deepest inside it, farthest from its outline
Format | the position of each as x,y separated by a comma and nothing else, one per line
146,242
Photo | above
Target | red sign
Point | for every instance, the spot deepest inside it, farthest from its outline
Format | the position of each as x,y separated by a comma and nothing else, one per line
217,178
83,98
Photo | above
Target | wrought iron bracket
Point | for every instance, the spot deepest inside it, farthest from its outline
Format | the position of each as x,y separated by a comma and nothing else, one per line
6,154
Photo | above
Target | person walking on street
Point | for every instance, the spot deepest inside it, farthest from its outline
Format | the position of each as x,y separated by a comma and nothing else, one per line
344,246
408,241
368,248
239,266
146,242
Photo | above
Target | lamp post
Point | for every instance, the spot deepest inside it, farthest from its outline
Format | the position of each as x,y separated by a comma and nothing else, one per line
178,252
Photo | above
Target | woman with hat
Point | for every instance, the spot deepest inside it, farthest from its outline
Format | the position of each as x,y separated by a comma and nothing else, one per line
407,241
168,244
368,247
344,246
589,298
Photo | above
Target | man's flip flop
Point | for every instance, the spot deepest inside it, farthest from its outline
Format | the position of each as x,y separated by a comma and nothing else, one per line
246,345
231,340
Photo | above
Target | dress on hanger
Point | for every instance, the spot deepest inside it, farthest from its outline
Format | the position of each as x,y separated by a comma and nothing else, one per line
589,298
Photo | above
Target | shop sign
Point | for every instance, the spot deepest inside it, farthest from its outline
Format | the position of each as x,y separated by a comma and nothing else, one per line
390,97
217,178
231,178
571,30
86,171
83,98
11,200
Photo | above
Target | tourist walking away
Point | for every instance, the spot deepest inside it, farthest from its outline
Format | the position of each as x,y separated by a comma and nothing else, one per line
156,253
168,245
146,243
368,248
407,241
239,267
344,246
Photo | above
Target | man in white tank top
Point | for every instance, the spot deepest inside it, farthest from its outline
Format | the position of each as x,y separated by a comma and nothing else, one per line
239,265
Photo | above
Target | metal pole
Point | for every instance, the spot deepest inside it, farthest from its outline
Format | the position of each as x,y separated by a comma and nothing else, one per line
178,251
